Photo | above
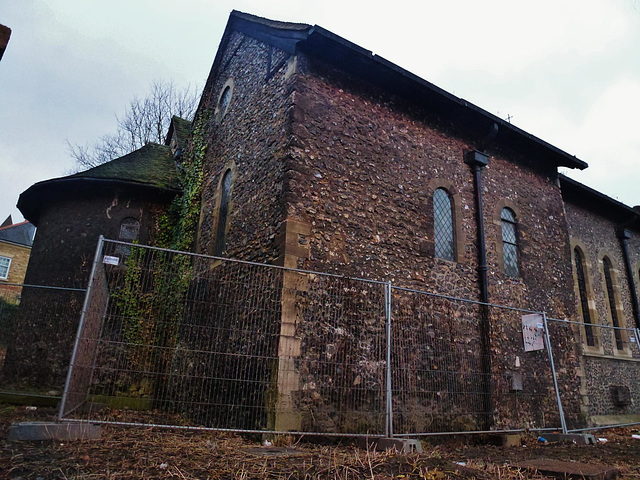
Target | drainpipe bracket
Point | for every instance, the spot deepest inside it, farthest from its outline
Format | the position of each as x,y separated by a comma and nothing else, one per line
476,158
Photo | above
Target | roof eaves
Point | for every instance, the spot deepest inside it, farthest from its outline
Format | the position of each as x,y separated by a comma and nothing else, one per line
29,201
320,37
569,185
17,244
318,41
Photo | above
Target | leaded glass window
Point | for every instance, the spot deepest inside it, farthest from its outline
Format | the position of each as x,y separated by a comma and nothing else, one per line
612,302
223,212
584,299
443,225
509,242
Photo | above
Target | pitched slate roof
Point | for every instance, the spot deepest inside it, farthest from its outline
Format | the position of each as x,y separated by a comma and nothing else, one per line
320,43
181,128
19,233
150,167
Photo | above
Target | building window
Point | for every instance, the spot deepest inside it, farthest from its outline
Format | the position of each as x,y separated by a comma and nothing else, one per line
223,213
224,100
5,263
509,242
443,225
584,299
129,229
612,302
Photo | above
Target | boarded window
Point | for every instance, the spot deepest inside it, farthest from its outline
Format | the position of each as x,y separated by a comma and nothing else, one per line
129,230
443,225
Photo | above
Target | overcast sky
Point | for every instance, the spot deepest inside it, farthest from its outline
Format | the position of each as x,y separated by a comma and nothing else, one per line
566,71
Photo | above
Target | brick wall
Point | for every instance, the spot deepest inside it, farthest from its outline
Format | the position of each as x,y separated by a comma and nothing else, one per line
19,256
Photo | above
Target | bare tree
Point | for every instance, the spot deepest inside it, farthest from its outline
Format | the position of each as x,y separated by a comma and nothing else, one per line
146,120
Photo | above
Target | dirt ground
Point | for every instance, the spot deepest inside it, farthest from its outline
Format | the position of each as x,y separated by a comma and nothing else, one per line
146,453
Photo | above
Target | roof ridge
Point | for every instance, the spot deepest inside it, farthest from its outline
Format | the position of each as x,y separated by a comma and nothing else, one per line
15,225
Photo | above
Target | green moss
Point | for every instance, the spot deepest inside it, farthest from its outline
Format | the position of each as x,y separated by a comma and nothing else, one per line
151,165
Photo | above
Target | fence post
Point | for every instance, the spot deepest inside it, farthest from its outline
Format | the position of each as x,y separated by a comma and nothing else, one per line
389,404
85,306
547,339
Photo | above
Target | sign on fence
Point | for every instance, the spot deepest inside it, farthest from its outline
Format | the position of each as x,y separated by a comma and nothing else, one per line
532,332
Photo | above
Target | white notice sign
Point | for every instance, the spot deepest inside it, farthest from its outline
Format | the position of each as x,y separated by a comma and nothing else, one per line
532,331
109,260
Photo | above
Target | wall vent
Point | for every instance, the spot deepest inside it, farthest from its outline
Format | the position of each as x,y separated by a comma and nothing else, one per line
620,395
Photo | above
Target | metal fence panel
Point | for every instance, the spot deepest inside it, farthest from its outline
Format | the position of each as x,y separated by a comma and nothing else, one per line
179,339
343,355
188,340
443,380
610,368
83,356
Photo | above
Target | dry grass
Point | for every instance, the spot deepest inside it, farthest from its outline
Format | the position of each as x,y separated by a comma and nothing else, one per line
145,453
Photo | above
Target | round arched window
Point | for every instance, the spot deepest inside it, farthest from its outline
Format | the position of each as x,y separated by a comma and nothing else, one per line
225,98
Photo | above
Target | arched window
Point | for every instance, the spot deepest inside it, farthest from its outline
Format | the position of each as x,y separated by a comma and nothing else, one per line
509,242
225,98
443,225
223,213
608,278
129,229
584,299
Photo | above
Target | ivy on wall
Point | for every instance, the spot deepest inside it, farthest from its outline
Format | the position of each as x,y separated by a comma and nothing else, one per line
152,296
177,228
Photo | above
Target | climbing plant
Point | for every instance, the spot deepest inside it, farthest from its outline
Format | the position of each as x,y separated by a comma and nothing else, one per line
177,228
152,294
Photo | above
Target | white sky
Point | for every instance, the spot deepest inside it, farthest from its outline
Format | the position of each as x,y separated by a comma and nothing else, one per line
566,71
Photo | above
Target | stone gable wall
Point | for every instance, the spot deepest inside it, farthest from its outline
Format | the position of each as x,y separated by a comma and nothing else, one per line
250,139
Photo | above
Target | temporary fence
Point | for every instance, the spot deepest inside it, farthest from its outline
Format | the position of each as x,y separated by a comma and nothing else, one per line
177,339
53,312
183,339
445,379
610,371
